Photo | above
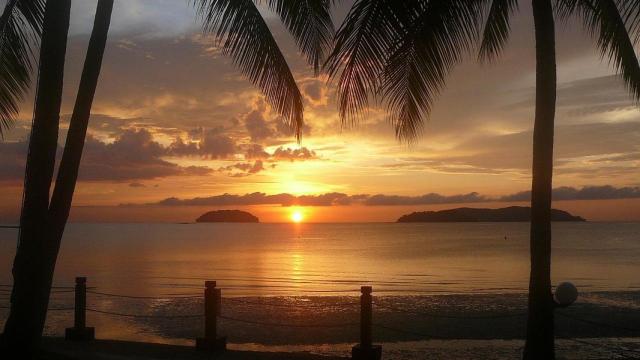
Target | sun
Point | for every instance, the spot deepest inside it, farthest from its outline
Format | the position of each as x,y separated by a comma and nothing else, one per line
297,217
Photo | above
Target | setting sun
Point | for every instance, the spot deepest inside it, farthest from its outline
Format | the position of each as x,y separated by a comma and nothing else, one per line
297,216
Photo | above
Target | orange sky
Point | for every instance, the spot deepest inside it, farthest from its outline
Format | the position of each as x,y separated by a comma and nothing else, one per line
173,118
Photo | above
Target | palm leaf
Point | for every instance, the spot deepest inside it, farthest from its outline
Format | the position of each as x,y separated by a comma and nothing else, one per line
437,38
246,38
497,28
360,53
604,20
631,14
20,30
309,21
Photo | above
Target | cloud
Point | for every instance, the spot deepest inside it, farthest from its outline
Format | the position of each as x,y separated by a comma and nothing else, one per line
256,151
341,199
12,160
315,92
432,198
605,192
243,169
137,185
257,126
134,155
211,144
301,153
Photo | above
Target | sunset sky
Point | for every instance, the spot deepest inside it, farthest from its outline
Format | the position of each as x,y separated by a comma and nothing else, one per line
175,127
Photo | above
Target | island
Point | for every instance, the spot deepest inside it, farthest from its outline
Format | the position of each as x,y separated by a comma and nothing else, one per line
508,214
228,216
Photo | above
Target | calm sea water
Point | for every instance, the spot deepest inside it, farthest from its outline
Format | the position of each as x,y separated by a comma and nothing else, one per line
332,259
311,274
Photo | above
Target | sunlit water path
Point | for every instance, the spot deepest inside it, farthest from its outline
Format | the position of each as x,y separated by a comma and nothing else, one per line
311,273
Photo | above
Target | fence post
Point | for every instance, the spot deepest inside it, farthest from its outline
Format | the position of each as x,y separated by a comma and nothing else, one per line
79,331
212,308
366,350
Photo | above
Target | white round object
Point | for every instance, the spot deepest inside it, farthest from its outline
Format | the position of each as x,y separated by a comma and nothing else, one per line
566,294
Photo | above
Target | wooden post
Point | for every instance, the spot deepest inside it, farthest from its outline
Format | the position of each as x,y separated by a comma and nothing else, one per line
366,350
212,308
79,331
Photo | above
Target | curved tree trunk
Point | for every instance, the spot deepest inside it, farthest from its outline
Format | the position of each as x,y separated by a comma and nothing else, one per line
540,324
70,163
31,285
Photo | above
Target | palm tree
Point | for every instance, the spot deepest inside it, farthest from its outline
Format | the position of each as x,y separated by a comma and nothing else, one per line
20,28
246,39
31,285
400,52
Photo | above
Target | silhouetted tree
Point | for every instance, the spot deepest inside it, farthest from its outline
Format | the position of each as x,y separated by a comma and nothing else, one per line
31,284
20,29
42,223
402,51
246,38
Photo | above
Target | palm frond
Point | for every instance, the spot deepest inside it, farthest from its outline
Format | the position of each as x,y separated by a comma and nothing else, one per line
604,20
361,48
20,30
246,38
439,35
497,28
631,14
309,21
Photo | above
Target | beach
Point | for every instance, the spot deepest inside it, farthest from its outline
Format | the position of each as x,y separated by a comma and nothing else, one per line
438,290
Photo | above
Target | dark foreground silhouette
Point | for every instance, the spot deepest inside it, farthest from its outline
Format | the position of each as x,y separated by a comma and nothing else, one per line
508,214
232,216
58,349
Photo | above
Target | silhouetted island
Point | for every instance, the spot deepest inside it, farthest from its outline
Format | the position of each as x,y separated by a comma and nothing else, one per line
231,216
508,214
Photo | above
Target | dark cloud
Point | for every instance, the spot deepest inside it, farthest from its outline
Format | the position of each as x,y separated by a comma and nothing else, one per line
432,198
210,144
133,155
301,153
605,192
215,145
12,160
137,185
257,126
243,169
256,151
340,199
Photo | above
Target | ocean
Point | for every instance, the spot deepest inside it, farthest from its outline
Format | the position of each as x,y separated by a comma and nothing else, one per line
432,283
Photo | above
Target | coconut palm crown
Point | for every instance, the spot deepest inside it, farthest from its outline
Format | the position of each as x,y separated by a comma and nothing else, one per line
400,52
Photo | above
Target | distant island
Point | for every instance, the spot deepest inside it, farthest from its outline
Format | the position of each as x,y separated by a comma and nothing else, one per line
508,214
229,216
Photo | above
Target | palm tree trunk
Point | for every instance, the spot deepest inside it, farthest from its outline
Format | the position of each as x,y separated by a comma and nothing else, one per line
540,324
70,163
31,285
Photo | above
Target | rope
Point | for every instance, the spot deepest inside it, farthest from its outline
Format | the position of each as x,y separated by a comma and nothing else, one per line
444,316
408,332
145,297
145,316
289,305
595,323
53,287
287,325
